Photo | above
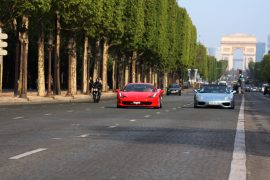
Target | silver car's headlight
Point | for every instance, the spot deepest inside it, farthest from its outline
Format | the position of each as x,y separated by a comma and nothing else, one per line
228,98
199,97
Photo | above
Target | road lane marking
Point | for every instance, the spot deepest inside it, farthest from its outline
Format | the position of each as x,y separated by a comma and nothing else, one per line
167,110
114,126
238,164
157,112
28,153
48,114
179,107
75,124
84,135
57,138
174,109
132,120
19,117
147,116
70,111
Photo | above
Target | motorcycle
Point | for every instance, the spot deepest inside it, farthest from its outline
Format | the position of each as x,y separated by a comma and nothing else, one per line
96,95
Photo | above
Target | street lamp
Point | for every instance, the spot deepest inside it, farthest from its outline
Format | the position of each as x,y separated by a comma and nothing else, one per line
50,48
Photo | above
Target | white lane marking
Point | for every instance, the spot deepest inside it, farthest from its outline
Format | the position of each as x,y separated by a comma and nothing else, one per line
84,135
147,116
187,152
238,164
102,107
57,138
70,111
28,153
88,109
19,117
167,110
179,107
48,114
173,108
114,126
158,112
75,124
132,120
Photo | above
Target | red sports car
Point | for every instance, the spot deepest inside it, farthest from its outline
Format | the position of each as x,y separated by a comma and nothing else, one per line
139,94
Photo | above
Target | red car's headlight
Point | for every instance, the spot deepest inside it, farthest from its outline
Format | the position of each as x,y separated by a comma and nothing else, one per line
121,95
153,96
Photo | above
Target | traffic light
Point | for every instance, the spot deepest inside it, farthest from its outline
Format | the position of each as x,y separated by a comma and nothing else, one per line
3,44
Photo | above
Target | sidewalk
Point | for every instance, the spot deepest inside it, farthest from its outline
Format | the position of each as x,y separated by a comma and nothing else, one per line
7,98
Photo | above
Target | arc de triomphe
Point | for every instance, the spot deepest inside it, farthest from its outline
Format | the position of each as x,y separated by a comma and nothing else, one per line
246,43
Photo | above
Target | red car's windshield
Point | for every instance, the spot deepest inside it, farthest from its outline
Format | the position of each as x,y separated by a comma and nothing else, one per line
139,88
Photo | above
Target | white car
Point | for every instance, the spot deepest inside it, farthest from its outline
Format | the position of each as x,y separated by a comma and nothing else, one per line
214,95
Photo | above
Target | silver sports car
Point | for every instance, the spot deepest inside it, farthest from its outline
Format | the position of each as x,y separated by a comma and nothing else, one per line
214,95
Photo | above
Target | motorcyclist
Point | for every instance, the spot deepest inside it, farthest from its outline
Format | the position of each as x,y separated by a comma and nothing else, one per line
97,84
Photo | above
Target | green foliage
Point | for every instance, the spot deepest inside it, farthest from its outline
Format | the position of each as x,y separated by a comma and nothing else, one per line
159,30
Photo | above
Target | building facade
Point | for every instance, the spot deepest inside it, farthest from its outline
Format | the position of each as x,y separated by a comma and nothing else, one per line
260,51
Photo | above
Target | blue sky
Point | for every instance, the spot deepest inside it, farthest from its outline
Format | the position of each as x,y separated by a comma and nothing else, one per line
216,18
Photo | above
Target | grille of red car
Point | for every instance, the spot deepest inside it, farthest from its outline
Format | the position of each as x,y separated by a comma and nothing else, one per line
132,103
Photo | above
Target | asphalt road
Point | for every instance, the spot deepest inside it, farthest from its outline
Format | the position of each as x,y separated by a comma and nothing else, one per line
101,142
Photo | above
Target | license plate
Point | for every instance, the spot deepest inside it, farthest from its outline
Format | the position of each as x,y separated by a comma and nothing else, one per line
213,103
136,102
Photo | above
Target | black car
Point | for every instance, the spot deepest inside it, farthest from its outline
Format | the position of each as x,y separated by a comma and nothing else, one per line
266,90
174,89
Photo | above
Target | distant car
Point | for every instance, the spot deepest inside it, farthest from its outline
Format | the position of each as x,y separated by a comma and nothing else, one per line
214,95
247,88
266,90
174,89
139,94
224,83
263,87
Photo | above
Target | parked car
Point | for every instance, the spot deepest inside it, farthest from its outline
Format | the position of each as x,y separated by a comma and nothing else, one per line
214,95
174,89
139,94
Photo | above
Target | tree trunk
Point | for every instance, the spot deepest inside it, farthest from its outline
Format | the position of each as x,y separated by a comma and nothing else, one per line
56,80
24,39
17,58
105,64
114,74
97,61
74,69
41,76
150,75
84,82
165,80
126,73
133,66
138,73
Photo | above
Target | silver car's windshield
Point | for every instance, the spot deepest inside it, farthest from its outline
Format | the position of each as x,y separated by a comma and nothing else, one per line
214,89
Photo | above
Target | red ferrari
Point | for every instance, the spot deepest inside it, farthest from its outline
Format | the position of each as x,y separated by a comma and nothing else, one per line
139,94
